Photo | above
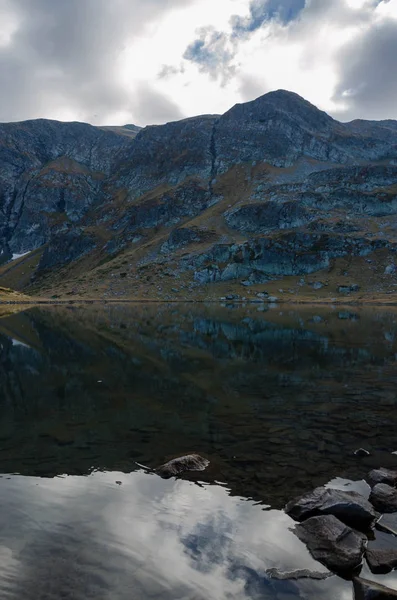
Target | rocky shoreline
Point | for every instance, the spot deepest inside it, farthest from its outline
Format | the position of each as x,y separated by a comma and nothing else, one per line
340,530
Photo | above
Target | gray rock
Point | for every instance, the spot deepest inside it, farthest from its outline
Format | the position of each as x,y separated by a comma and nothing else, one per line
347,289
369,590
267,216
390,269
384,498
349,507
177,466
332,542
382,475
381,560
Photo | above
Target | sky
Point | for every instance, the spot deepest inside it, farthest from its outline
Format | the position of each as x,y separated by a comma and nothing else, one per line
111,62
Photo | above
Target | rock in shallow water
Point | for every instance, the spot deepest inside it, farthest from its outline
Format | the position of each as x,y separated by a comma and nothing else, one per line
382,476
369,590
361,452
349,507
384,498
275,573
190,462
381,561
332,543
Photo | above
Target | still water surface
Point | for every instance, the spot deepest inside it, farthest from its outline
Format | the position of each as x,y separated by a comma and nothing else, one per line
278,401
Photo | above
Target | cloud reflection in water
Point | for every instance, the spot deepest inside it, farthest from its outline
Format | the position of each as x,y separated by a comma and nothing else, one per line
86,537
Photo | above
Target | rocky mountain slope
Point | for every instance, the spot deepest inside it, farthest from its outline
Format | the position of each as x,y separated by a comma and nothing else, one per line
273,193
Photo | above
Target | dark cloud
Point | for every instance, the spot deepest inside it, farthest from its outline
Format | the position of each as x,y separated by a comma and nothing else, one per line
153,107
368,77
214,51
63,55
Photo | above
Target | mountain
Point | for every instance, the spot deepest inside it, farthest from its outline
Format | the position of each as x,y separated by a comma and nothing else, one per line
274,192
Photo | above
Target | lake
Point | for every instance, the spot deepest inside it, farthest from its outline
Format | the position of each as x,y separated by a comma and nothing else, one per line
94,398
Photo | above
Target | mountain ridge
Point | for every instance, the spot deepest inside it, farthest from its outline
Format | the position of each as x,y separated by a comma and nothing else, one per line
273,188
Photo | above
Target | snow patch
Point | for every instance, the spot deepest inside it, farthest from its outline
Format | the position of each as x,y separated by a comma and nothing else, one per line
15,256
18,343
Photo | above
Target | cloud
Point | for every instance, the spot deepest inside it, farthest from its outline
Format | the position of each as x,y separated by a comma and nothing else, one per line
368,75
146,61
213,51
251,88
167,71
63,57
153,107
262,11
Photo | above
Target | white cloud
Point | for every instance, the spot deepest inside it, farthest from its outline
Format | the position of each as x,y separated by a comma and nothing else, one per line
87,60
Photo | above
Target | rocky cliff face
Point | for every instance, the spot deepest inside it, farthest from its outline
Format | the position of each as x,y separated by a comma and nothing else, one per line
273,188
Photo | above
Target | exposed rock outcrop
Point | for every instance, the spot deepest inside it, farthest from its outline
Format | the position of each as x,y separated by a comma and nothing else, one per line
277,187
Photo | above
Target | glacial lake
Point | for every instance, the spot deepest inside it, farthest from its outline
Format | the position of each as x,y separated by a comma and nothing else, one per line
94,398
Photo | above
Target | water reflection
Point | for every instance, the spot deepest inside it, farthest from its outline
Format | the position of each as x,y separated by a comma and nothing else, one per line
278,401
83,538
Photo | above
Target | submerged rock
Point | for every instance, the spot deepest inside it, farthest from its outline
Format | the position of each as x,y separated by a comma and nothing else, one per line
381,560
369,590
176,466
361,452
384,498
275,573
332,542
382,476
349,507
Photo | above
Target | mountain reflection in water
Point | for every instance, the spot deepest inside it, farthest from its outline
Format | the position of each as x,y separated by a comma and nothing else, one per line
277,400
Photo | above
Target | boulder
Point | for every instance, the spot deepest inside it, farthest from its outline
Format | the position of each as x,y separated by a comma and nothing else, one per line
332,542
382,475
176,466
369,590
390,269
346,289
350,507
384,498
381,560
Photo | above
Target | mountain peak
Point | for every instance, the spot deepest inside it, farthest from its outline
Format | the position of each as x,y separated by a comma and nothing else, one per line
293,105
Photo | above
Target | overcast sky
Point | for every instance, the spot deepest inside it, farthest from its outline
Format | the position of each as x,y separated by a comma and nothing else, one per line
152,61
